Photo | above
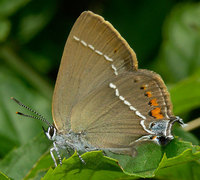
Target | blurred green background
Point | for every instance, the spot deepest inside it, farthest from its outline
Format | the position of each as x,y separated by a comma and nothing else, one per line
164,34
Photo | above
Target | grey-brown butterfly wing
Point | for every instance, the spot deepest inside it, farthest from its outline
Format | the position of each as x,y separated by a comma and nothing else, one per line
99,90
111,115
93,52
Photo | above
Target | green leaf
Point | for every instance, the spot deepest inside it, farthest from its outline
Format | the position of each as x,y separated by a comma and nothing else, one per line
180,48
41,167
185,94
34,19
8,8
176,148
181,171
31,24
27,73
96,166
180,167
18,129
6,145
3,176
144,164
186,136
19,162
148,162
4,29
149,156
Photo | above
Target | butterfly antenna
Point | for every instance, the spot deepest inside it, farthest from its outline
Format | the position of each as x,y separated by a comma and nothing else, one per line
42,118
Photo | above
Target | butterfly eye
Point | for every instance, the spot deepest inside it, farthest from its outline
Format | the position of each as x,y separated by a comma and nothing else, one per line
51,133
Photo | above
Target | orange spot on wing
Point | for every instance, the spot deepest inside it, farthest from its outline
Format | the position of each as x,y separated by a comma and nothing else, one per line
157,113
148,94
153,102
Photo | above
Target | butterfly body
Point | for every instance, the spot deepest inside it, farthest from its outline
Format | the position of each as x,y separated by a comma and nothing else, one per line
73,140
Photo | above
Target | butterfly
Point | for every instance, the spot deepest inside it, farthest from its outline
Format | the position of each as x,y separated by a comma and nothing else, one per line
101,99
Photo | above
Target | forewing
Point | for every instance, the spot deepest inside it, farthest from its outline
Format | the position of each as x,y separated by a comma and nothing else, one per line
94,53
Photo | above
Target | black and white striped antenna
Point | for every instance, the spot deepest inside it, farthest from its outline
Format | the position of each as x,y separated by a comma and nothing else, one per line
42,118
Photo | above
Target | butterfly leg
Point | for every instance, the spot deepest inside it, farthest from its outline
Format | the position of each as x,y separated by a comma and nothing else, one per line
143,138
52,156
57,151
81,158
58,154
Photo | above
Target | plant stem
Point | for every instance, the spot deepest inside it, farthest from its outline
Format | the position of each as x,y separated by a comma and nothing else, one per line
192,125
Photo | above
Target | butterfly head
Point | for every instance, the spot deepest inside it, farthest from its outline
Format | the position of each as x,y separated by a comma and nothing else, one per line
50,132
